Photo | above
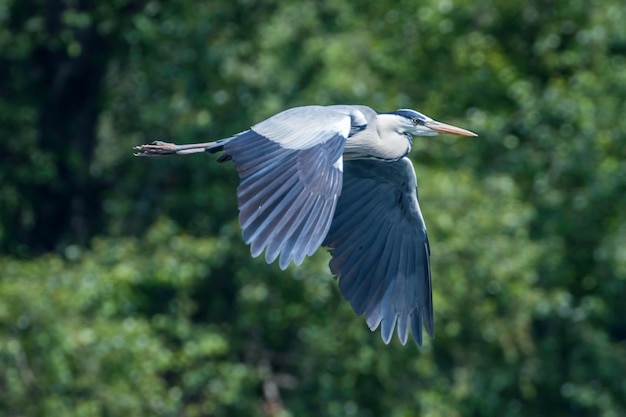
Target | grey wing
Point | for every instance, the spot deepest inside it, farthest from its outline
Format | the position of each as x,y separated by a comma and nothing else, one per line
379,247
290,169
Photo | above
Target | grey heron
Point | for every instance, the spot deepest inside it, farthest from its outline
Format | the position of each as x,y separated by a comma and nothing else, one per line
338,176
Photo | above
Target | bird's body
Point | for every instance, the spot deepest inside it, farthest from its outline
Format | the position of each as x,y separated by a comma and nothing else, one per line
338,176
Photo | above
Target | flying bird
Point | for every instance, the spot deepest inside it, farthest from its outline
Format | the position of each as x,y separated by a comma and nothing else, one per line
338,176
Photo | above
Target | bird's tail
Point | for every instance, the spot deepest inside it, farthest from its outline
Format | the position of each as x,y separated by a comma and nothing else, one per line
158,148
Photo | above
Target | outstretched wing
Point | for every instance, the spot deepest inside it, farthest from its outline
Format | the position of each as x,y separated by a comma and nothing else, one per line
379,247
290,170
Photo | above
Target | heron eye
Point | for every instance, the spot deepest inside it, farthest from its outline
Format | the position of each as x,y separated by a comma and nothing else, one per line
416,121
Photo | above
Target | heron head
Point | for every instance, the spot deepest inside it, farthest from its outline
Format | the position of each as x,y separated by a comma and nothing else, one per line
418,124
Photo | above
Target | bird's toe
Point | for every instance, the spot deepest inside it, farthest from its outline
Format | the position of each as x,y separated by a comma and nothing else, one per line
154,148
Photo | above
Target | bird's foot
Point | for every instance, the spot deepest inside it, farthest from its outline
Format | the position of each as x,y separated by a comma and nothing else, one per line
156,148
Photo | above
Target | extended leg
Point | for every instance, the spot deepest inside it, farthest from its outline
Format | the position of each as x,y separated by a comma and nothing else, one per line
159,148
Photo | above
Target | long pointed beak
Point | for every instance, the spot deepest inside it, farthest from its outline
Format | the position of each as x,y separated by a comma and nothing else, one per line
444,128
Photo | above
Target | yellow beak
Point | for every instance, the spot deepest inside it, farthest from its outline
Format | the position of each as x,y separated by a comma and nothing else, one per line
444,128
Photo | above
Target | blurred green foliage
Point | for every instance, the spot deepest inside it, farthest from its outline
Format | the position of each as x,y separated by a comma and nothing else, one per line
125,288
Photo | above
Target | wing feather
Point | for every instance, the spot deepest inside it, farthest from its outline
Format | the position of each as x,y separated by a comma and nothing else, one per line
309,231
260,206
345,258
289,222
295,247
285,128
293,229
380,248
392,267
290,181
372,282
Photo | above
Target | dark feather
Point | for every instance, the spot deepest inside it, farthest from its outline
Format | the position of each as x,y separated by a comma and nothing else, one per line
380,248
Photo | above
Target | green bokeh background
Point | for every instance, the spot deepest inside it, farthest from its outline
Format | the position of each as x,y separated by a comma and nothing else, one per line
126,290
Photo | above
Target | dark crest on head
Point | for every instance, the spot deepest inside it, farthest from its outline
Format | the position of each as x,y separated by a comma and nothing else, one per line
411,114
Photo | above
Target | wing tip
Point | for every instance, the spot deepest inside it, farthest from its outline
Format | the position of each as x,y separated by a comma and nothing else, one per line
416,327
401,324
